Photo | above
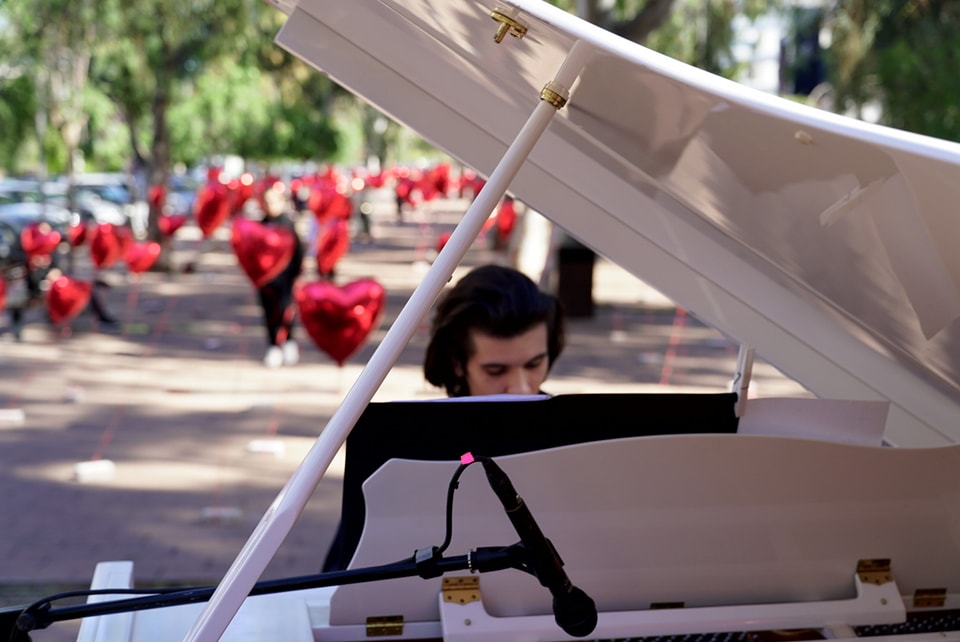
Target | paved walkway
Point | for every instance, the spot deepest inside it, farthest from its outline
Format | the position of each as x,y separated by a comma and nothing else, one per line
164,440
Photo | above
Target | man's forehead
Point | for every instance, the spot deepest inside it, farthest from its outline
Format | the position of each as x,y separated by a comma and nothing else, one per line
510,346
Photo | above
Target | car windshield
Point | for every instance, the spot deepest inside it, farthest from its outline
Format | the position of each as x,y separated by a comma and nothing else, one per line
113,193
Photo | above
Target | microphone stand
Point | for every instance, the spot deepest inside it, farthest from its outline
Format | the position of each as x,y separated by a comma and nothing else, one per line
426,563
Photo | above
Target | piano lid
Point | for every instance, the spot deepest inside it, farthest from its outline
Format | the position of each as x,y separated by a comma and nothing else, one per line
822,241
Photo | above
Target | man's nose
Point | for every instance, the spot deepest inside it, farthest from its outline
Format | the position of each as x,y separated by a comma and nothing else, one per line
520,383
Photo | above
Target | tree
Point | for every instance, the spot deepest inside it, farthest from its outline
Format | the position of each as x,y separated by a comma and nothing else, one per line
698,32
917,54
853,26
901,55
55,39
17,111
151,63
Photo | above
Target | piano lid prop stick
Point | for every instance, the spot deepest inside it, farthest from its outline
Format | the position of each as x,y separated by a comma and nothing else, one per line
290,502
741,380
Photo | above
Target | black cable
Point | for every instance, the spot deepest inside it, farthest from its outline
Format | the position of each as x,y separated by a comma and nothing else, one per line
27,617
46,603
451,489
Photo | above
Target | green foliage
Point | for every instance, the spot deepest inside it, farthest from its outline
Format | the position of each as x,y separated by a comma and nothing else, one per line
106,147
223,107
903,55
698,32
853,27
701,33
17,107
917,57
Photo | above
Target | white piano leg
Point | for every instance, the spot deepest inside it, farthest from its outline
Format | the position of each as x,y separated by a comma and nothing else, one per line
286,508
117,627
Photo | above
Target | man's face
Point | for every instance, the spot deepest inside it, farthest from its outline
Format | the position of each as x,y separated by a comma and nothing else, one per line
274,202
516,365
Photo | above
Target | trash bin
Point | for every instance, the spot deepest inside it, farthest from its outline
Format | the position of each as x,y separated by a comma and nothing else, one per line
575,279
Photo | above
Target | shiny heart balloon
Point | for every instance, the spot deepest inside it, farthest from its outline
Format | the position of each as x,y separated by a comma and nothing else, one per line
340,318
327,202
3,294
263,251
140,256
168,224
334,243
212,207
442,241
67,297
76,234
157,196
39,239
239,192
106,245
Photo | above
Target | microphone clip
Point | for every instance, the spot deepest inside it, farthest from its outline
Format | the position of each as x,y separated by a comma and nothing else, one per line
427,561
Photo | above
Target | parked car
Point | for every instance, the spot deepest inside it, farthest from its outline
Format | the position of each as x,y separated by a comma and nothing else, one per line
182,193
94,204
17,190
14,217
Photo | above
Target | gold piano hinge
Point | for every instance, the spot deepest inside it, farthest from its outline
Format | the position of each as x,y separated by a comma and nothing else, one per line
461,590
923,598
379,626
508,24
654,606
876,571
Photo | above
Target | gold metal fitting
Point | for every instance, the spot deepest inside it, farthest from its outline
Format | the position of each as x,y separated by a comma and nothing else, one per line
461,590
874,571
507,25
554,94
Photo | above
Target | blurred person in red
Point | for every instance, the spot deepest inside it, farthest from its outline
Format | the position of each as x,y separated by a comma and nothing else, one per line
276,296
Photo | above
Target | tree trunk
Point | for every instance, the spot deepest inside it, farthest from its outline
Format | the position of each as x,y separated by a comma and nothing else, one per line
159,171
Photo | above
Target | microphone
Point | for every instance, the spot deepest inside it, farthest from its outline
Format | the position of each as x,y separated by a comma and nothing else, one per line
573,609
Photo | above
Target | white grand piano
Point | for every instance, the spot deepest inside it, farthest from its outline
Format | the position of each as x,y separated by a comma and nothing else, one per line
819,242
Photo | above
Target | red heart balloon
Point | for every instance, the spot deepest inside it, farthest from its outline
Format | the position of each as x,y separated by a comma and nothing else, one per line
106,245
240,190
262,250
67,297
140,257
157,195
211,208
76,234
327,202
170,224
3,294
39,239
339,319
334,243
442,241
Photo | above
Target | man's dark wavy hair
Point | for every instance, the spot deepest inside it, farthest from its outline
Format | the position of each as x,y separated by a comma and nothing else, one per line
495,300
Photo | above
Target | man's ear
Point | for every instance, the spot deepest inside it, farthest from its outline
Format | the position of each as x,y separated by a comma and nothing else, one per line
458,369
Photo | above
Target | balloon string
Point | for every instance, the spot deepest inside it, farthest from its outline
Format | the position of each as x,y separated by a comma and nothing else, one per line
673,346
132,296
284,330
169,303
108,433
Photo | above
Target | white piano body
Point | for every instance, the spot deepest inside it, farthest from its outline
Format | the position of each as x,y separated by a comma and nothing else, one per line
735,533
821,242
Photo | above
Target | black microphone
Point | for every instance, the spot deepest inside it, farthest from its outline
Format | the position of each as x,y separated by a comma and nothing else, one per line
573,609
